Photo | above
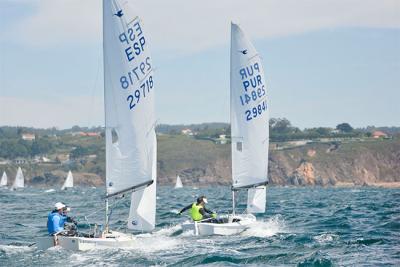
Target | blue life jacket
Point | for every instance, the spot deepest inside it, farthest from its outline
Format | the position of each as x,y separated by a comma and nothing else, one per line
55,222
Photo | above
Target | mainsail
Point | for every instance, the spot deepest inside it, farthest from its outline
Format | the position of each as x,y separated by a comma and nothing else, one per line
69,182
19,179
4,179
249,120
178,182
129,108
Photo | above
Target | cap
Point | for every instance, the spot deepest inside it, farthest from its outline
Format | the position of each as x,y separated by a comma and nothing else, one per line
66,208
59,205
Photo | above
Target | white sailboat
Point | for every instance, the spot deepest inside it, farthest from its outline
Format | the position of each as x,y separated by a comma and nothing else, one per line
19,181
69,181
250,136
4,178
178,183
130,128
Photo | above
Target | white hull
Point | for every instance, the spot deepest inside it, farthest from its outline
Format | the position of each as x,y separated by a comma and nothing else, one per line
230,228
112,240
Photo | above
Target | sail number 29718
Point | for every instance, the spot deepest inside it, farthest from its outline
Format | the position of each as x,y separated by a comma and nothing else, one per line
256,110
140,93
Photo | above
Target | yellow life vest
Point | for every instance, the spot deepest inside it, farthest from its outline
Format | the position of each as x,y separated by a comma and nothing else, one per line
195,212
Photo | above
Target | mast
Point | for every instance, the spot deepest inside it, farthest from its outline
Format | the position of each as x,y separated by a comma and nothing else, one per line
230,119
233,202
106,219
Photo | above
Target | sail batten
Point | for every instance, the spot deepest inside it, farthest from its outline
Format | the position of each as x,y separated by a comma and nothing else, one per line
129,111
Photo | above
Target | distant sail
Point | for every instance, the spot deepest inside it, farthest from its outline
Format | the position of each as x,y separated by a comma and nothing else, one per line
249,116
69,182
19,179
178,182
4,179
131,145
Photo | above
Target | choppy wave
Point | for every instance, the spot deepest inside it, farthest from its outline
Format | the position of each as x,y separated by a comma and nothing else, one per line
51,190
303,227
267,228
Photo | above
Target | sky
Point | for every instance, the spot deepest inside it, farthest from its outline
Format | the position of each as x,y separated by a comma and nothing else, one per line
326,62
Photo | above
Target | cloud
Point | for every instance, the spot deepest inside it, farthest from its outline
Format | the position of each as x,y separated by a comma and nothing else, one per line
190,26
60,112
56,22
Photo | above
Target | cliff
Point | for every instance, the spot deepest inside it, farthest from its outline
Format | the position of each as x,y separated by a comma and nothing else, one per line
200,162
355,163
372,162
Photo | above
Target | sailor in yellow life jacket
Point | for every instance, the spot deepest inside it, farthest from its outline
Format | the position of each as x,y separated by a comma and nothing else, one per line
198,211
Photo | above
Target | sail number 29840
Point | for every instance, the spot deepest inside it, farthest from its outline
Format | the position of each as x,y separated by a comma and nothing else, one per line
142,92
256,110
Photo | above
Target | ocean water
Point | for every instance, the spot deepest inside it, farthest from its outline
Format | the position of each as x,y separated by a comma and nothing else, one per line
302,227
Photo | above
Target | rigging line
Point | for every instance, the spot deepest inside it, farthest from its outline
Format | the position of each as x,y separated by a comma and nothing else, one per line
92,91
153,126
103,208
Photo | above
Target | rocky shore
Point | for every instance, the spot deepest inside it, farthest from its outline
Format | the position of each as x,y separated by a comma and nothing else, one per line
201,163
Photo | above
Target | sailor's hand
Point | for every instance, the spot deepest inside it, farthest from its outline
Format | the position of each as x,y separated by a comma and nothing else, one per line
214,215
72,220
179,213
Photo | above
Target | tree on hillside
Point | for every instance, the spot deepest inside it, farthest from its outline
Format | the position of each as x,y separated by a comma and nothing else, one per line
78,152
344,127
40,147
323,131
76,128
282,126
13,149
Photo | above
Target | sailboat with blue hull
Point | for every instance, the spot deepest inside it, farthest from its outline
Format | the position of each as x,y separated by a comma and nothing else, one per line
131,145
249,135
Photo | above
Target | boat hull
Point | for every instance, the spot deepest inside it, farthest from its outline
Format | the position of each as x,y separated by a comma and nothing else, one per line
75,243
229,228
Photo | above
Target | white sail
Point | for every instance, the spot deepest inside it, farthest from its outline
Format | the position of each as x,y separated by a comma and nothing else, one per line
129,107
4,179
256,199
178,183
249,113
69,181
143,203
19,179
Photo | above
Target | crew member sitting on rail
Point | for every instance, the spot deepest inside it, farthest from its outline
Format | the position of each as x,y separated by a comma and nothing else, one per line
198,211
56,219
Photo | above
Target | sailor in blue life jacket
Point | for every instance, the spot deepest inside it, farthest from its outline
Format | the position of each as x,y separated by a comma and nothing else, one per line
198,211
56,219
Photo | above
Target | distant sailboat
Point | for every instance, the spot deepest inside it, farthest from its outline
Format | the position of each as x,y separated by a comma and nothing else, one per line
69,182
178,183
4,179
19,181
